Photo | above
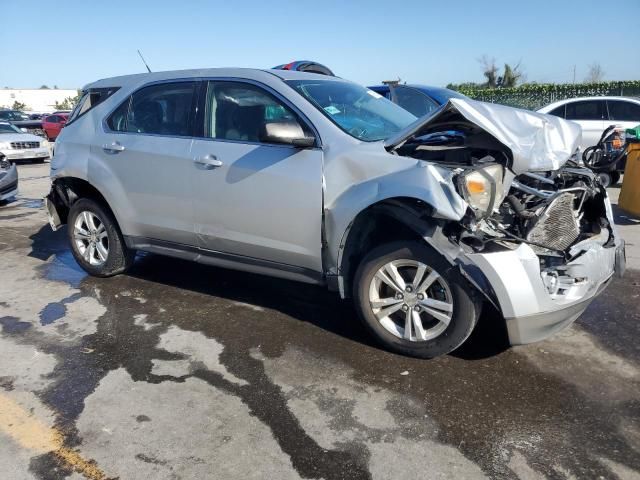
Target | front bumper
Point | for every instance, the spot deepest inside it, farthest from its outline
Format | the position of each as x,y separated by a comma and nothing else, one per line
8,183
27,153
530,311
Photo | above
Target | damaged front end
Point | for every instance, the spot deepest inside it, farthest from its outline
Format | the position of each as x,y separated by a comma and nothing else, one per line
539,228
548,249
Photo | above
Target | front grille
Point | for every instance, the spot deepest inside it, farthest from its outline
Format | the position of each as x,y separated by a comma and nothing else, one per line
24,145
557,228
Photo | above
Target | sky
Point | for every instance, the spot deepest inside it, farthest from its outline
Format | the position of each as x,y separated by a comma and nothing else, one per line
69,43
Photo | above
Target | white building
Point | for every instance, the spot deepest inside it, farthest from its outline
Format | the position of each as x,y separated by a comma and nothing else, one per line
37,100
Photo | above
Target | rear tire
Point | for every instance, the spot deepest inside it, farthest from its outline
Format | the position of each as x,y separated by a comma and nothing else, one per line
96,241
447,309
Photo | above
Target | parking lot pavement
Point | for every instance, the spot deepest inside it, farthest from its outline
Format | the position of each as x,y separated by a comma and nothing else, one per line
178,370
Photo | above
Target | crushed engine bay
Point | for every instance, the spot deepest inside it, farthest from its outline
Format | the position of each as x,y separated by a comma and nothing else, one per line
551,212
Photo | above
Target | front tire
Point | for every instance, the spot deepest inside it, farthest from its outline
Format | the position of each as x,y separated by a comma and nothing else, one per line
96,241
414,301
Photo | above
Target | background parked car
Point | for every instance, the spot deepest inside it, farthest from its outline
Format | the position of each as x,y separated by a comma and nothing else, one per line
594,114
52,124
306,66
18,145
22,120
8,178
418,99
13,116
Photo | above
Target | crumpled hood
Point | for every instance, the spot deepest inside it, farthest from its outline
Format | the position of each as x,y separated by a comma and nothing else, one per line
536,141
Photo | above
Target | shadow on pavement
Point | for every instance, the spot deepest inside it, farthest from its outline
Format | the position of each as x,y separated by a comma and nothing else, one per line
623,218
306,303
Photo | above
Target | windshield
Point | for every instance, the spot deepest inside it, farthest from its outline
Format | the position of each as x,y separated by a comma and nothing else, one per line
8,128
360,112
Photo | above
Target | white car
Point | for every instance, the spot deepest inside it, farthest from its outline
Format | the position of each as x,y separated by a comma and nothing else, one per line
594,114
18,145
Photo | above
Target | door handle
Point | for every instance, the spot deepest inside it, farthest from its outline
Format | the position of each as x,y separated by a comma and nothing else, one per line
113,147
208,162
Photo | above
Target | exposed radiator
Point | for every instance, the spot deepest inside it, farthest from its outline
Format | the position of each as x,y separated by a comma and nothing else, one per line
557,228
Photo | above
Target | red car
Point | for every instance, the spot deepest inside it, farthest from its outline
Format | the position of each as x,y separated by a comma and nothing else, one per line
52,124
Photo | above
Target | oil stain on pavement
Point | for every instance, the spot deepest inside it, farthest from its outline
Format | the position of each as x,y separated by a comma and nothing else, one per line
178,370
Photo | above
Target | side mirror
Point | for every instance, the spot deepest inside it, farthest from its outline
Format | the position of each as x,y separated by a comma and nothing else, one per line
24,130
287,133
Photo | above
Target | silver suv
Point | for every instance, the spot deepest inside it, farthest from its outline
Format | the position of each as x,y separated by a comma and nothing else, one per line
313,178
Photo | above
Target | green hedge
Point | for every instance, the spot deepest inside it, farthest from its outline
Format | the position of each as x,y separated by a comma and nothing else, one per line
534,96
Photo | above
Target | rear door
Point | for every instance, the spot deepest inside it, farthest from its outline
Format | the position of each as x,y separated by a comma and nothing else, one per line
144,152
592,117
255,199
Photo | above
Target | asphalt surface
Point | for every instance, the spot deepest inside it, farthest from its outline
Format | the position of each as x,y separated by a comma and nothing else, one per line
181,371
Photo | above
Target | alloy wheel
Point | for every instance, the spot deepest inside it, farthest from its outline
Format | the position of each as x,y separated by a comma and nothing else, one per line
411,300
91,238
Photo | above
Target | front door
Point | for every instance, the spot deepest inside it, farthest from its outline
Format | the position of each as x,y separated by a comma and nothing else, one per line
255,199
145,154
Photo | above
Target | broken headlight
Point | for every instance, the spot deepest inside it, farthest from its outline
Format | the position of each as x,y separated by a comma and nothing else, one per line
482,188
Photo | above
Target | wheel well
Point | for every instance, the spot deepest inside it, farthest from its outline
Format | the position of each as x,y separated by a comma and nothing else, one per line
68,190
383,222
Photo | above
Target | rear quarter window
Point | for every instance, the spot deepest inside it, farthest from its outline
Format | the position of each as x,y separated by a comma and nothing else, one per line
558,111
89,100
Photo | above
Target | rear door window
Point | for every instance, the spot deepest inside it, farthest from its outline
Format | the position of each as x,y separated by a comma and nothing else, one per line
623,111
165,109
415,101
118,119
586,110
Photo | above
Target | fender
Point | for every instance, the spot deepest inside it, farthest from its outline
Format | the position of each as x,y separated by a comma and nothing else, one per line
415,215
423,182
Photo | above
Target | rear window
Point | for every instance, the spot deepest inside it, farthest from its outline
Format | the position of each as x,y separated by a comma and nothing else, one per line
90,99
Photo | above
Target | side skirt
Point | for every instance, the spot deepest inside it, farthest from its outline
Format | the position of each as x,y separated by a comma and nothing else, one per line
225,260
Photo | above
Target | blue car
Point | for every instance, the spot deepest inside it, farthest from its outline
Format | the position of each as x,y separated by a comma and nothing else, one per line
418,99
